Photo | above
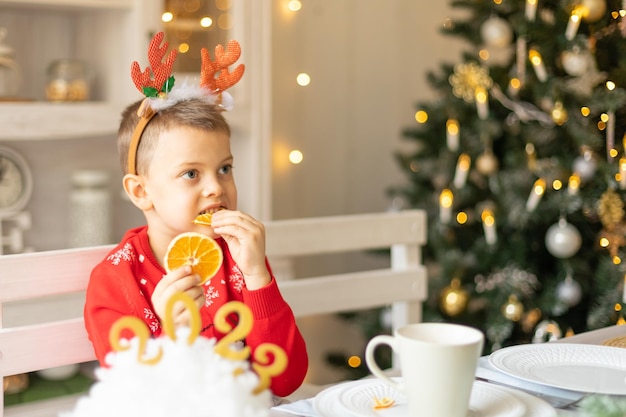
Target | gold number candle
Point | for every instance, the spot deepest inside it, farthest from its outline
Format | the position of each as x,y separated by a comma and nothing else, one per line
262,366
224,347
139,328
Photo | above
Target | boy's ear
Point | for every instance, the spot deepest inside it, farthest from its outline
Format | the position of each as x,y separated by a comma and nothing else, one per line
135,190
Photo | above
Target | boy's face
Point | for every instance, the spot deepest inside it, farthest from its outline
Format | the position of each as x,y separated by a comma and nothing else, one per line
190,173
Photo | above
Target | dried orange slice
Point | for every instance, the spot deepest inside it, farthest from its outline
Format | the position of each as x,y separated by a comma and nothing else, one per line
385,402
200,251
203,219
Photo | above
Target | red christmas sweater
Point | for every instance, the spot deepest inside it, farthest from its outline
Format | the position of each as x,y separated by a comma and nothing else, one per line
122,285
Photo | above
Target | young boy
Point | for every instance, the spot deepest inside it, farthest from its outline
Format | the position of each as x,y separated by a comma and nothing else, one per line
181,166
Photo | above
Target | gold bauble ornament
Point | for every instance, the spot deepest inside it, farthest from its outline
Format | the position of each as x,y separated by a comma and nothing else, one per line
513,308
487,163
453,299
595,10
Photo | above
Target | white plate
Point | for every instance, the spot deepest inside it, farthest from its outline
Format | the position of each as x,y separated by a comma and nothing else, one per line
576,367
355,399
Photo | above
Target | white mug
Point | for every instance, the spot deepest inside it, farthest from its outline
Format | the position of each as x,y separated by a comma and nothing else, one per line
438,363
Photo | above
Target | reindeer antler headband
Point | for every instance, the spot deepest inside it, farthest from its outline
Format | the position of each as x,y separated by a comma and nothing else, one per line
156,82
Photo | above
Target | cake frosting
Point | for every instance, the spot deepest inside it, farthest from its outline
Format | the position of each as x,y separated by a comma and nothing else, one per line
181,375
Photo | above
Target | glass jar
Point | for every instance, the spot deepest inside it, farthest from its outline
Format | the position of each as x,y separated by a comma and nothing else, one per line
68,80
90,210
9,70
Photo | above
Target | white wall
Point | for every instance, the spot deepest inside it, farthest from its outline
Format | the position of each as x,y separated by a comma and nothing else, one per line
367,60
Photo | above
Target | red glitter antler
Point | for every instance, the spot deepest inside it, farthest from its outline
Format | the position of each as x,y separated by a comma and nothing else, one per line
223,59
162,82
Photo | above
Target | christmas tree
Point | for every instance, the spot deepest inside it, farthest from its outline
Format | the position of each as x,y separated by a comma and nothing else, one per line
521,165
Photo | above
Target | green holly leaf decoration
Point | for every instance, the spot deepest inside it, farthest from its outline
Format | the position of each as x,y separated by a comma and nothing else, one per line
150,92
168,85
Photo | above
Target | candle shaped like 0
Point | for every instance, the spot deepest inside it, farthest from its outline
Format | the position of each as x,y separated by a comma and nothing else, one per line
489,227
531,10
482,104
462,170
574,22
537,61
573,184
446,199
539,187
452,134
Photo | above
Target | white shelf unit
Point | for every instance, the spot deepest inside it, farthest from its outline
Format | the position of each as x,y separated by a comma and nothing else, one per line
106,34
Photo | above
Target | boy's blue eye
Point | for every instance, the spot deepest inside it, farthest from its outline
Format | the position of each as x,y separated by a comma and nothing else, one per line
190,174
226,169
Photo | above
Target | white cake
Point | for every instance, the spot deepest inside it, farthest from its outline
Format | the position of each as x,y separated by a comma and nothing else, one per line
187,381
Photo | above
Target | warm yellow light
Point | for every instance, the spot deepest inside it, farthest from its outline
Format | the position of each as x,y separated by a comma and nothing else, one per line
610,85
618,307
613,152
183,48
616,260
604,242
483,54
464,162
294,5
206,22
354,361
601,125
481,95
585,111
167,17
421,116
461,217
452,126
539,186
295,157
446,198
303,79
557,185
604,117
574,181
487,217
515,83
535,57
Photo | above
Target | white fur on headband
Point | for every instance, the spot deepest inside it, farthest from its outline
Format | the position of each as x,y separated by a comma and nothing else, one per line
190,91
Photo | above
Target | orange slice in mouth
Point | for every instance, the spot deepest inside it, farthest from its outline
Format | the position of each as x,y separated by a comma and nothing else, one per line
199,251
203,219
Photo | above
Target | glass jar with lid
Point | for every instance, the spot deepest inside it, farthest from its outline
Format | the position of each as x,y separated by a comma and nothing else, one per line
9,70
68,80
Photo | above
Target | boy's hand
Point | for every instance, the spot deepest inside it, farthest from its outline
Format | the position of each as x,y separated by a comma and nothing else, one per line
179,280
245,237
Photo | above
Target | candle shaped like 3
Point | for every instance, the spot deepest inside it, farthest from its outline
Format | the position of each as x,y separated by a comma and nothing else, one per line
539,187
462,170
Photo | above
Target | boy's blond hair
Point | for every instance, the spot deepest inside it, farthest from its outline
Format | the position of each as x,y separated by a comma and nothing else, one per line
194,113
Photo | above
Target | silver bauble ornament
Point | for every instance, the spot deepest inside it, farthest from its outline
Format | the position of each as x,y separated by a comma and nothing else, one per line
496,32
596,9
569,292
547,331
575,62
585,167
563,239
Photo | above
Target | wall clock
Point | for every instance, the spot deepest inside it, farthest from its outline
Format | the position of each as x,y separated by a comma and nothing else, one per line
16,181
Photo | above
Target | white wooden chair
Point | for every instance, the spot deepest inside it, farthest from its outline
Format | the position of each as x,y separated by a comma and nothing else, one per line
35,335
